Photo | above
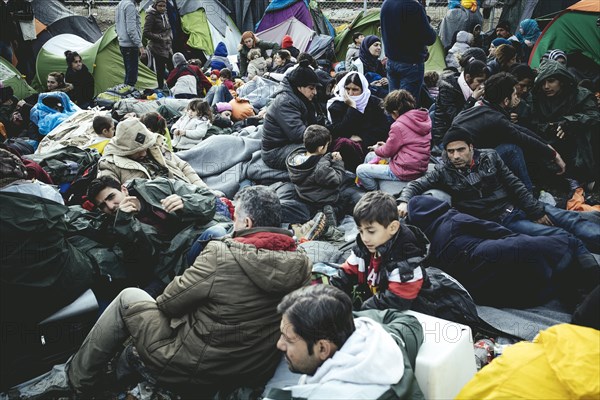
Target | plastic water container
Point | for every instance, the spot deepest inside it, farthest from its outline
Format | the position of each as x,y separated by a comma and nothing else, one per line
446,360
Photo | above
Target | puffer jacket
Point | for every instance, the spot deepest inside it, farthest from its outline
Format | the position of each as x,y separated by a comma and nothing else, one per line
217,323
449,103
575,109
408,145
496,190
318,179
115,163
158,32
195,130
286,119
257,67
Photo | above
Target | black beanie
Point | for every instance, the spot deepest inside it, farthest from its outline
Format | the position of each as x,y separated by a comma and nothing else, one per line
456,134
303,75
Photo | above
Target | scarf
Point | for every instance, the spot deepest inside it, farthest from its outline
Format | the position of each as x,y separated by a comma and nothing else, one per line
361,100
530,31
464,86
370,62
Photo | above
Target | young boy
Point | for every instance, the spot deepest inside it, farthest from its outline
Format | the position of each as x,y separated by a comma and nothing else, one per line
316,175
104,126
215,77
384,269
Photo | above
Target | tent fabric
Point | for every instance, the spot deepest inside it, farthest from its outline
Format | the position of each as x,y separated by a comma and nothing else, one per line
10,76
436,60
570,31
321,24
586,5
85,27
103,58
48,11
299,10
247,13
301,33
319,45
277,5
218,13
195,24
516,11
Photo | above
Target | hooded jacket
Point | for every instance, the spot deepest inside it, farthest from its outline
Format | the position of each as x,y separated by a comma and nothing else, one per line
116,163
495,189
575,109
408,145
195,130
487,258
376,362
219,59
351,54
128,24
217,323
318,178
463,40
157,30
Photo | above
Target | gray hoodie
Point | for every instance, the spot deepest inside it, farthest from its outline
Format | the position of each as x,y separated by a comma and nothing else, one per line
128,24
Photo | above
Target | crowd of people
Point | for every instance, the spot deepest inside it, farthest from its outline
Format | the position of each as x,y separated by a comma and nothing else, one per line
211,287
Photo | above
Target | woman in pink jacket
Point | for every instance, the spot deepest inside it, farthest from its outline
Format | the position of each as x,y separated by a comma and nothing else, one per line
407,148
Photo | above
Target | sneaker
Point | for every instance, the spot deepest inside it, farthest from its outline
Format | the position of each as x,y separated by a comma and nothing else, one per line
330,215
312,229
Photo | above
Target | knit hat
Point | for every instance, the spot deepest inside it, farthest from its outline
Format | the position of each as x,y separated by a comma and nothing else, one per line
499,41
223,106
456,134
6,93
287,42
130,137
11,168
505,53
556,54
179,59
303,75
216,72
472,54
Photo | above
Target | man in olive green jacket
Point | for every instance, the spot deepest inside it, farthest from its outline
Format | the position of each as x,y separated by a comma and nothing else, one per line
216,325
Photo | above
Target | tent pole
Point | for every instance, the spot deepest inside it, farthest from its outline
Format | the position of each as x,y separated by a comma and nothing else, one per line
365,6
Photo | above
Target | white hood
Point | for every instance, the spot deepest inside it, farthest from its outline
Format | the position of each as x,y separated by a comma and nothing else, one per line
364,368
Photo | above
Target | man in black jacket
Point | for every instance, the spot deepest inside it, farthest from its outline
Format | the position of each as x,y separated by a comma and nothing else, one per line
481,185
490,127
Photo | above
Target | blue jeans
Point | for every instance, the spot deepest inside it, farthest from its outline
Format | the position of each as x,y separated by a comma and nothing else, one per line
587,232
218,94
369,174
513,157
214,232
130,59
405,76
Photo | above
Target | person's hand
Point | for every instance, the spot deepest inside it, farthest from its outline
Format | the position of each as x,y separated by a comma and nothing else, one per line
514,117
336,156
561,164
262,113
16,117
545,220
172,203
383,81
376,83
356,138
403,209
142,51
21,103
560,133
480,91
130,204
348,100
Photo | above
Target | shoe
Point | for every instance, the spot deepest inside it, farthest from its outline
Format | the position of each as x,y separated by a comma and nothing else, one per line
330,215
52,384
312,229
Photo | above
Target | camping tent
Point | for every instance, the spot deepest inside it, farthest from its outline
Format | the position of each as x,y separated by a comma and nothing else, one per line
307,13
300,33
574,29
207,22
516,11
368,23
103,58
9,76
86,28
246,13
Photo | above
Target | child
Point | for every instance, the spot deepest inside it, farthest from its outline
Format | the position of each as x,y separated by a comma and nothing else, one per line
464,40
407,146
431,80
384,269
104,126
257,65
214,78
227,78
317,176
191,128
157,124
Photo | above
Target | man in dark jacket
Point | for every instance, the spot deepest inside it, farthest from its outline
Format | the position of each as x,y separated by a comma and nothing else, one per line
491,128
406,33
481,185
214,327
287,117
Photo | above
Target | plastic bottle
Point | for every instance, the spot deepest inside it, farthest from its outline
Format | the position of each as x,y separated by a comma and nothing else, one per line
547,198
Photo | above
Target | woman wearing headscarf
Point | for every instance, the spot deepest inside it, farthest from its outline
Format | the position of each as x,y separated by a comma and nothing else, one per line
370,65
357,119
160,38
528,34
251,41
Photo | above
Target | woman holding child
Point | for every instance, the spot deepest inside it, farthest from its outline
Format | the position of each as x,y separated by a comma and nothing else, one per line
357,119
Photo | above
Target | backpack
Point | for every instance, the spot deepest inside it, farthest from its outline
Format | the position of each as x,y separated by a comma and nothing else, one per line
112,95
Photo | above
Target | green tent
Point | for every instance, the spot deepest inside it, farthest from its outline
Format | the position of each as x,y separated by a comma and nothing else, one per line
574,29
368,23
10,76
102,58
